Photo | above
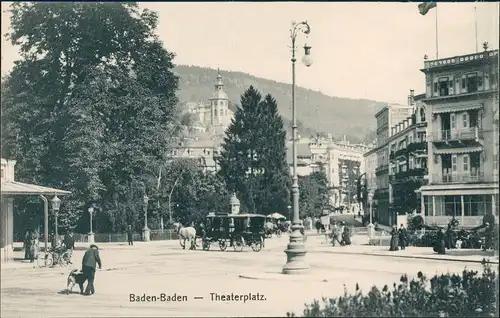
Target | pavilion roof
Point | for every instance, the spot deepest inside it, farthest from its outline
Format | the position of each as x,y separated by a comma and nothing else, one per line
19,188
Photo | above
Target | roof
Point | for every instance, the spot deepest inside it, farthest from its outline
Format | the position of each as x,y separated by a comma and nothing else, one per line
302,151
19,188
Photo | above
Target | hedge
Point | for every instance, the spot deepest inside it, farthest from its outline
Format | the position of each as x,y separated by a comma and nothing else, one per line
449,295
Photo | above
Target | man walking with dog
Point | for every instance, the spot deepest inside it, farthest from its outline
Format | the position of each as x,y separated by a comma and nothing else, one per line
89,262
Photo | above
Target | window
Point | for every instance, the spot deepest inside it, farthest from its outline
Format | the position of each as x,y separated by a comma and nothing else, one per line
221,112
465,118
454,163
221,103
226,112
452,122
472,83
493,80
422,114
444,86
475,205
3,173
452,205
466,163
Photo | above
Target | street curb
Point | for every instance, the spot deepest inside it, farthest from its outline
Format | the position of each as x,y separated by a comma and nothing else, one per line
306,277
448,259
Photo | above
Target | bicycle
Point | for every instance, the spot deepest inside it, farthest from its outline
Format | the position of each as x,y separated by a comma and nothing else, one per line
58,256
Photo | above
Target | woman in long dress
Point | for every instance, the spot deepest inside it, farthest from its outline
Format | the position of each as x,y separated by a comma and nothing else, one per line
27,245
440,246
394,239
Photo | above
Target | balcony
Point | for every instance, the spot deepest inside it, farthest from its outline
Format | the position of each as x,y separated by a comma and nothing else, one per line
401,153
382,170
417,147
458,177
417,174
472,133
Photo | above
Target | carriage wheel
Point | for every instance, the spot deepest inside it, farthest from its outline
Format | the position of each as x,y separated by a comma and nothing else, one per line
257,246
238,243
64,259
44,260
222,244
205,244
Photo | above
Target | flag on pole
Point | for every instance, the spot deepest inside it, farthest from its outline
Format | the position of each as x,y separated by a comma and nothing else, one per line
424,7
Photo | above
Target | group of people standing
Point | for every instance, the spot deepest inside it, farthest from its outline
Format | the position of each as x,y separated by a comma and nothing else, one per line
399,238
341,234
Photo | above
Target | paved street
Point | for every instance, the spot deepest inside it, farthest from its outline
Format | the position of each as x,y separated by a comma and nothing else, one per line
163,267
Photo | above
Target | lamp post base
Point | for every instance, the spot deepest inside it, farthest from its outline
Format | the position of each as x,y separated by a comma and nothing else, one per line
146,234
295,255
91,238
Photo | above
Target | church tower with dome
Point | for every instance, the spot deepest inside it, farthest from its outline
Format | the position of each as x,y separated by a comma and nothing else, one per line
212,118
219,105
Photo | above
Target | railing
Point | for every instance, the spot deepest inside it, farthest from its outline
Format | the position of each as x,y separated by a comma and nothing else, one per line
155,235
419,172
462,177
458,134
381,169
420,145
401,153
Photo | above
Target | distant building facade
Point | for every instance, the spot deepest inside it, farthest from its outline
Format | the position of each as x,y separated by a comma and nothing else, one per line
407,161
341,161
462,112
386,118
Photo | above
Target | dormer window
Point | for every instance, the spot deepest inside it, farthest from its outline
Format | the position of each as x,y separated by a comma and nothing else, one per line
3,173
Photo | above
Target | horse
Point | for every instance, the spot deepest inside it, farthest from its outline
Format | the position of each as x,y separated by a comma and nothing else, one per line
269,229
186,234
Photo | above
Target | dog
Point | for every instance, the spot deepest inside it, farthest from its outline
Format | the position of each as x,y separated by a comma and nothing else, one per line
75,277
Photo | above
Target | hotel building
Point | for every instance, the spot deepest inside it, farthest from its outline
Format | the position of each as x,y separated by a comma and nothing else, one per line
462,140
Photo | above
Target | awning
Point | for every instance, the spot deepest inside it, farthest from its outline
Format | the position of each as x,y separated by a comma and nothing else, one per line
19,188
450,151
455,108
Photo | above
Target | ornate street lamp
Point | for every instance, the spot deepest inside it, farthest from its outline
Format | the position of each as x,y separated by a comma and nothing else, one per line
296,250
146,229
56,204
91,211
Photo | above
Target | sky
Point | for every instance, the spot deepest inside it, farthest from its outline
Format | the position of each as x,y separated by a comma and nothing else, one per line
360,50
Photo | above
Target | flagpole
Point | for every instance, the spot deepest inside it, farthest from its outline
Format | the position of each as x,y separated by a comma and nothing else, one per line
437,45
475,26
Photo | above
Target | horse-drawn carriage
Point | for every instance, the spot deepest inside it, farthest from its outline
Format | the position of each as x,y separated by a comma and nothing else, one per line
236,230
217,229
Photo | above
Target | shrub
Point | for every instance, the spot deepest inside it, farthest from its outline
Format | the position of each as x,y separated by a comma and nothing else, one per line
450,295
415,223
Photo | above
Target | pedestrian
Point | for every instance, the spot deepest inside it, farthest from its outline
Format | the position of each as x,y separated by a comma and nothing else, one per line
488,237
402,234
27,244
130,235
440,245
346,236
69,242
335,234
318,226
89,262
394,239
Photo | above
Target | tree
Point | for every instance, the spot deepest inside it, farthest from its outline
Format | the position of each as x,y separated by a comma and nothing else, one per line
90,105
196,193
313,194
253,157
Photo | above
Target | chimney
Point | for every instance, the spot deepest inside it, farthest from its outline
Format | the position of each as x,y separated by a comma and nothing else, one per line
411,98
